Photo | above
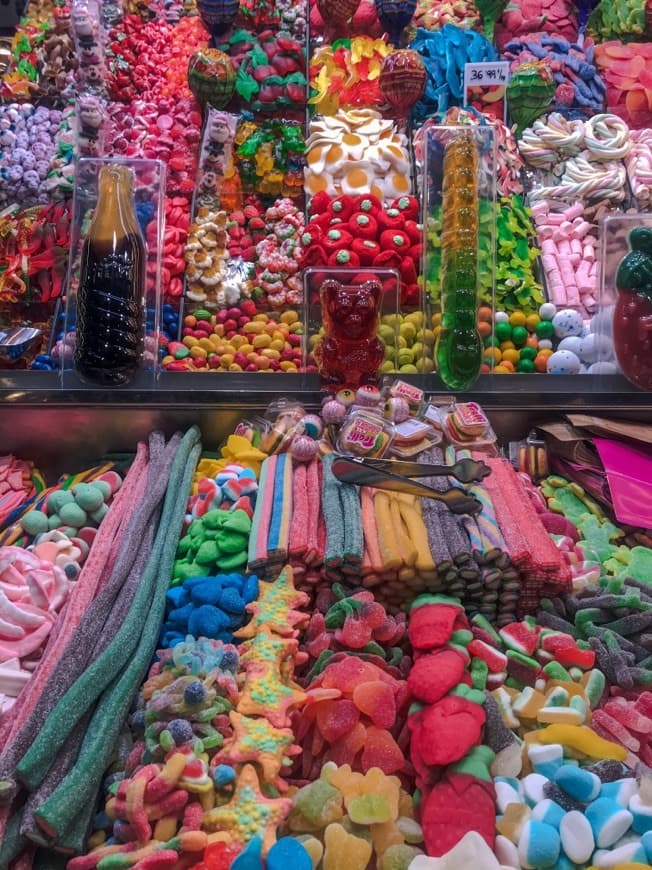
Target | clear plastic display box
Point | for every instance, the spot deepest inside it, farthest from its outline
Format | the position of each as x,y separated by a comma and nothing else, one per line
622,329
468,230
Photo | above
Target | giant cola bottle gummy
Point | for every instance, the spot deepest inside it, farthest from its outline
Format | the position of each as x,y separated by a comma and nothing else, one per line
110,298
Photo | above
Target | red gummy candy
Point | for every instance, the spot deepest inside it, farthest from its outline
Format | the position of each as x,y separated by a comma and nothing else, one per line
450,728
345,750
219,856
336,718
431,625
345,675
376,700
458,804
574,657
354,634
381,750
435,674
627,714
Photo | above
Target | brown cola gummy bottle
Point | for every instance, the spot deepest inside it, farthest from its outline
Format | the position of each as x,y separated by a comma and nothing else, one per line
111,295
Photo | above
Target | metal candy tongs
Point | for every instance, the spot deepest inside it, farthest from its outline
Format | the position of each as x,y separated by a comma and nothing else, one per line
394,475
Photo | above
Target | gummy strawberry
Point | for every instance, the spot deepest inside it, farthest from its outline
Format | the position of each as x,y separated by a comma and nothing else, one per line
459,803
433,675
376,700
450,728
432,621
336,718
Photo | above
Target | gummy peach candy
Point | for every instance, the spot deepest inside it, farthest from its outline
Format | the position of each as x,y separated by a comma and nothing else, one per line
345,850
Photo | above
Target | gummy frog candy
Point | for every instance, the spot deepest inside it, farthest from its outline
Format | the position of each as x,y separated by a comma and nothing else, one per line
632,324
350,353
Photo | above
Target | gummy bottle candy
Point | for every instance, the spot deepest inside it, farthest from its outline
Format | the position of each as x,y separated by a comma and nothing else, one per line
632,324
350,353
110,298
459,346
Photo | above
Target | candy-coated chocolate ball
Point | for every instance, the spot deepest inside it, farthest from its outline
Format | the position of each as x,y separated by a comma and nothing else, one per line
545,329
501,317
525,366
519,335
517,318
503,331
528,353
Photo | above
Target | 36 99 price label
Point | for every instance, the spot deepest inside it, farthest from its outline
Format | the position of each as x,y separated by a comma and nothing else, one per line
484,87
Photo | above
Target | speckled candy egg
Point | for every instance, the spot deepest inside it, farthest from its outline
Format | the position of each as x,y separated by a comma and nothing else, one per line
333,411
567,322
563,362
304,448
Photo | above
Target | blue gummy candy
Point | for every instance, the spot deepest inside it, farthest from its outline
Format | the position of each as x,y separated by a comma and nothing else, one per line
176,597
288,852
208,592
179,618
223,774
251,856
232,581
207,621
232,602
250,589
191,582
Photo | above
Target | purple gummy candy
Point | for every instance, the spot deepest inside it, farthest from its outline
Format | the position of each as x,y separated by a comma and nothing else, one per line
194,694
180,731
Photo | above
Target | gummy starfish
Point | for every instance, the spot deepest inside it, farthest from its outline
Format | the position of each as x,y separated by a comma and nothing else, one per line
276,607
249,812
258,740
268,690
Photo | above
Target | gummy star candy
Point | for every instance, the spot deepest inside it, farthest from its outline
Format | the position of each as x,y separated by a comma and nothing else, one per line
277,607
249,812
258,740
266,692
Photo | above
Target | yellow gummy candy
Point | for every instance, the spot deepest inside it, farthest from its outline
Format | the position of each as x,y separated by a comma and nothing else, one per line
377,782
562,715
384,835
583,739
512,821
313,847
345,850
528,703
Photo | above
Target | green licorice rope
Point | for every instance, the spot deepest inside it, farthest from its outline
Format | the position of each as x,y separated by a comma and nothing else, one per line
89,686
67,810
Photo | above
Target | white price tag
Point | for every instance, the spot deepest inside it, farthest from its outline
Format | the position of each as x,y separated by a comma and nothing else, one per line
479,77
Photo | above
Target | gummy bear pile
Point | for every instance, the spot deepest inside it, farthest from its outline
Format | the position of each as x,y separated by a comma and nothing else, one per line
277,145
273,653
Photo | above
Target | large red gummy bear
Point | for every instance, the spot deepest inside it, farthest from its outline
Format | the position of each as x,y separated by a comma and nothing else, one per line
350,352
